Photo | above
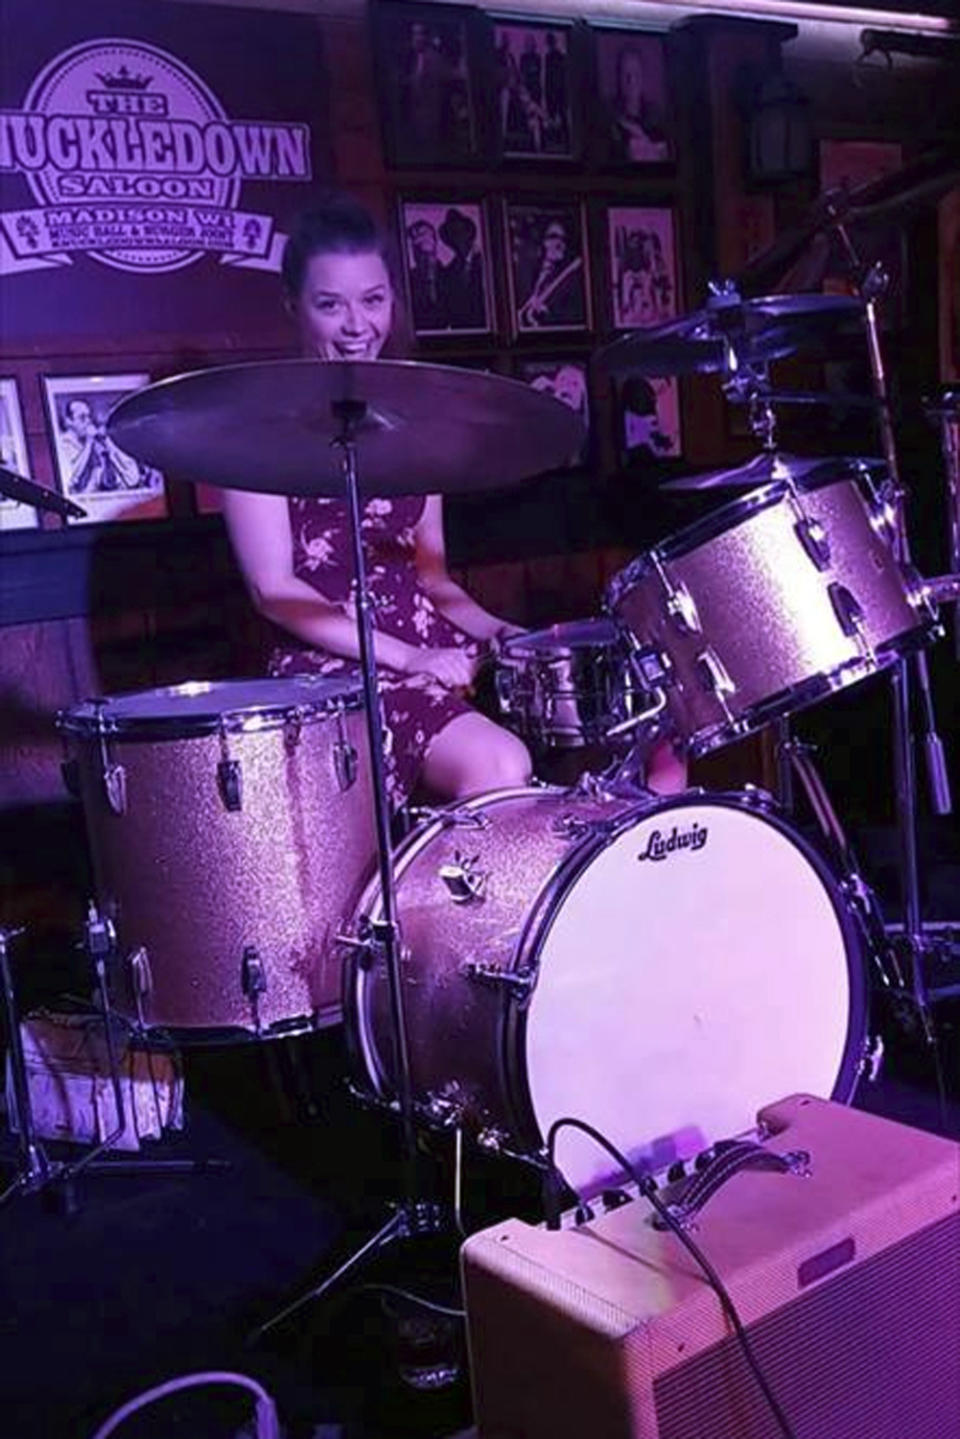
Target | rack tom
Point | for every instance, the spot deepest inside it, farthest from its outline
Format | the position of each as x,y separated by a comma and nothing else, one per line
771,603
230,827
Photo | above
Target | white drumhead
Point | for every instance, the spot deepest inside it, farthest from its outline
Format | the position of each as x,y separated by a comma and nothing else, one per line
679,994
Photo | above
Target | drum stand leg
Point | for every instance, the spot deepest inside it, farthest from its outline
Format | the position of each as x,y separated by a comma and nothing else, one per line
413,1215
871,284
35,1172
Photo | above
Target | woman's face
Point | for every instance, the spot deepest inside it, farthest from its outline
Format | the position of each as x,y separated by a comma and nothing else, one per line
345,306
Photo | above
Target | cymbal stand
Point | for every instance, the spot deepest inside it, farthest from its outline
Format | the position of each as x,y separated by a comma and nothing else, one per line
872,283
413,1216
35,1171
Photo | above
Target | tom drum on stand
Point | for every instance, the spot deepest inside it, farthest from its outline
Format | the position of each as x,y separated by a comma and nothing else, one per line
769,604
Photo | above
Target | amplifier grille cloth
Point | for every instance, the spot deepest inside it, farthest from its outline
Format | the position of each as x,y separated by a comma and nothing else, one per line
872,1354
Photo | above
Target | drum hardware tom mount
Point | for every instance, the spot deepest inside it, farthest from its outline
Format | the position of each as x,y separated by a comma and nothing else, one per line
422,429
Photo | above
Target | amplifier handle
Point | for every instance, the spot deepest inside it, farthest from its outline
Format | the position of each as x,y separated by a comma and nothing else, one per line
729,1159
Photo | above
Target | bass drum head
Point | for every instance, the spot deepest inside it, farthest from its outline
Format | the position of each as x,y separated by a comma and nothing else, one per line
699,966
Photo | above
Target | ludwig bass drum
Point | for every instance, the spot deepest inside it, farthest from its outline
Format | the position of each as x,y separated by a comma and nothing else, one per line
231,832
659,969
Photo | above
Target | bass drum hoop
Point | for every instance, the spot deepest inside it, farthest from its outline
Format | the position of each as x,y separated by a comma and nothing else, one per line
549,903
510,1033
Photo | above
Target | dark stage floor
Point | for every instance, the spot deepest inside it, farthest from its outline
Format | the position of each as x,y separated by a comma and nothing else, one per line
156,1275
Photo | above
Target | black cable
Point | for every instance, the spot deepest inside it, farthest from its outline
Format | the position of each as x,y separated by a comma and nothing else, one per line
648,1188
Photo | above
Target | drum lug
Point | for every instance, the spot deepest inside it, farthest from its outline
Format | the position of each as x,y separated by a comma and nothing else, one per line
681,607
813,538
292,728
849,613
871,1058
114,776
716,679
141,978
345,763
230,784
464,881
253,981
576,826
517,984
229,774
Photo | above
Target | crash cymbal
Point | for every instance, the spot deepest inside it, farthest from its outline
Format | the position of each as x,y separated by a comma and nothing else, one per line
730,333
271,427
775,465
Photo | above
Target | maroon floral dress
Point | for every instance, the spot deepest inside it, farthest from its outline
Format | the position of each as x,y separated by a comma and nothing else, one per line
416,707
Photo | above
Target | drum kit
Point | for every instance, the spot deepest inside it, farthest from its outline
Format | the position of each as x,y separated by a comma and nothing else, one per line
658,966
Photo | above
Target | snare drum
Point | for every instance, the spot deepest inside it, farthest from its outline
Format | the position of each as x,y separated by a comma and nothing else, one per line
770,603
564,687
231,830
657,969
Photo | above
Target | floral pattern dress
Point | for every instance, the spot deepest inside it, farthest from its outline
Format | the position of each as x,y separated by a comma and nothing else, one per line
416,707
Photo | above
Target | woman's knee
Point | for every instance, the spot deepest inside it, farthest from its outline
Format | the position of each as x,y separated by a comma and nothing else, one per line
506,760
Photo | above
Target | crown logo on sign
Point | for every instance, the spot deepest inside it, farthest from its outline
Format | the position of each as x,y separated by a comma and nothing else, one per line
123,80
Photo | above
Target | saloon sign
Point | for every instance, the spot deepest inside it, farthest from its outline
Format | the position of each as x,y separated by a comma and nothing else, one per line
153,157
133,160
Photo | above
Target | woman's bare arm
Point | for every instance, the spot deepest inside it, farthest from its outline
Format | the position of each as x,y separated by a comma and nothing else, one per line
259,530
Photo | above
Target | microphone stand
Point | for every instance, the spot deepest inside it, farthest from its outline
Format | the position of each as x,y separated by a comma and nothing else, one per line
871,285
413,1216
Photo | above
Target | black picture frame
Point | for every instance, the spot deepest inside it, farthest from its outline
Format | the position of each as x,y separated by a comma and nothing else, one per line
427,59
548,267
632,113
444,240
648,420
534,84
90,468
566,377
641,264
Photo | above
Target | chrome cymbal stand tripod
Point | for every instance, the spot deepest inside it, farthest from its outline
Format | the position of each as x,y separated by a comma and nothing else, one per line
413,1216
872,283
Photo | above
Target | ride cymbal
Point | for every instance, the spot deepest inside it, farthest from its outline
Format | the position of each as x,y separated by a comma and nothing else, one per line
419,428
773,465
729,334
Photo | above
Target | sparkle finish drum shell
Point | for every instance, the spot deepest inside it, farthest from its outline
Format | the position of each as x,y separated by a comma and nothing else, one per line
771,603
231,830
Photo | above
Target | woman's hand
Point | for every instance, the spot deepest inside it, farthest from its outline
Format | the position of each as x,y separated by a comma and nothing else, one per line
453,667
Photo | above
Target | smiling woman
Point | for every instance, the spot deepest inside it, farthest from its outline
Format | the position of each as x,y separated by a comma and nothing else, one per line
295,553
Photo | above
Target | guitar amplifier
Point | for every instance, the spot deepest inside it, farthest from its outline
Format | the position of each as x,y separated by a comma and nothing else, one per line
846,1277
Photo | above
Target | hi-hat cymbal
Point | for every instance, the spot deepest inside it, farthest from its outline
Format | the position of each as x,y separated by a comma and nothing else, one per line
272,426
748,332
775,465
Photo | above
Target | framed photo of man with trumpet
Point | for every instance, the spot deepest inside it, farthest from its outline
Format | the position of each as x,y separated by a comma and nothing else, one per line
548,268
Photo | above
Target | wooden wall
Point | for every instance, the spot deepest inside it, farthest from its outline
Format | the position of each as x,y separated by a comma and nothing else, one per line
93,613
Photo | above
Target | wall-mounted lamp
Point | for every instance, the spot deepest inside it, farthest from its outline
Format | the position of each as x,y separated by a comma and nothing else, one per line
779,136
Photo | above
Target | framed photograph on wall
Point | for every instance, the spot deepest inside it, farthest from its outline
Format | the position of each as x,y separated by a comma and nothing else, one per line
648,421
425,77
446,253
632,116
13,456
90,467
548,269
566,379
642,265
536,86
